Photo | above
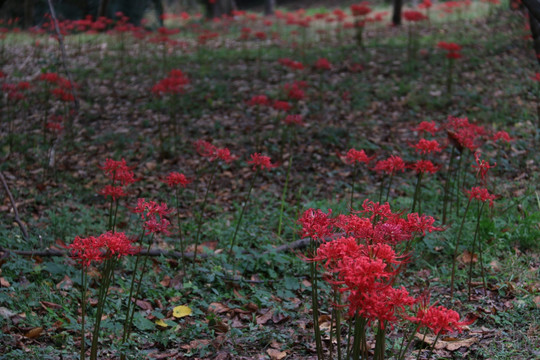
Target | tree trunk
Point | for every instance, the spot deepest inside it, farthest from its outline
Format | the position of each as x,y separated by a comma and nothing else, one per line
269,6
102,10
534,20
396,16
28,13
219,8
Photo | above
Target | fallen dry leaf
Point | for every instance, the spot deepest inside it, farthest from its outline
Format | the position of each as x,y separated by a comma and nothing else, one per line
4,282
276,354
218,308
448,343
34,333
467,257
263,319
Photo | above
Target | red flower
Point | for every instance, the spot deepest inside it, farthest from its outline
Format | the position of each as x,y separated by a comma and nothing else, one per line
113,191
427,126
86,250
151,209
323,64
391,165
261,100
450,47
420,224
294,120
205,149
223,154
316,224
453,55
155,226
282,105
258,160
536,77
483,166
425,166
361,9
440,319
117,244
427,146
354,156
118,171
175,178
413,15
502,135
63,95
481,194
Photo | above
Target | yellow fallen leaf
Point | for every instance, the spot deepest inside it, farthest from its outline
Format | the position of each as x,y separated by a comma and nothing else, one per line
181,311
34,333
161,323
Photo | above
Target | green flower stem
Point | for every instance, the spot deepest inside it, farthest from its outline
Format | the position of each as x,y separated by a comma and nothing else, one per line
447,185
359,344
403,350
423,341
102,296
284,196
201,215
389,186
456,249
233,239
180,233
143,271
355,171
83,312
475,240
315,304
417,191
380,341
433,346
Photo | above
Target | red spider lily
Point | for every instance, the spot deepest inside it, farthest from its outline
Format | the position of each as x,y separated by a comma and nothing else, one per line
391,165
223,154
426,4
151,209
204,148
331,253
419,224
413,16
86,250
361,9
115,192
424,166
260,35
155,226
49,77
427,146
536,77
483,166
449,46
2,74
439,319
426,126
481,194
316,224
23,85
63,95
502,135
118,244
293,120
174,83
118,171
354,156
323,64
282,105
259,100
175,178
295,90
376,210
261,161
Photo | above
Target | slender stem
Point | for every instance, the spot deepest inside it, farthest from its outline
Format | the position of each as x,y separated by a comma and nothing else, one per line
389,186
447,185
352,185
83,312
481,260
381,189
423,341
180,233
284,196
315,304
201,215
456,249
103,290
417,190
403,351
475,240
233,239
433,346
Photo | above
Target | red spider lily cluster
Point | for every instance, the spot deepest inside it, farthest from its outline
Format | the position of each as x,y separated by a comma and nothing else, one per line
212,153
414,16
173,84
358,252
174,179
154,216
452,49
120,175
97,249
260,162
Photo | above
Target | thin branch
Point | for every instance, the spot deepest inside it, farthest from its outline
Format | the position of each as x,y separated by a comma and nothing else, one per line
64,57
14,206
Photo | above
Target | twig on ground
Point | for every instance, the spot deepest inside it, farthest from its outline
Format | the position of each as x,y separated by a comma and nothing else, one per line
14,206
